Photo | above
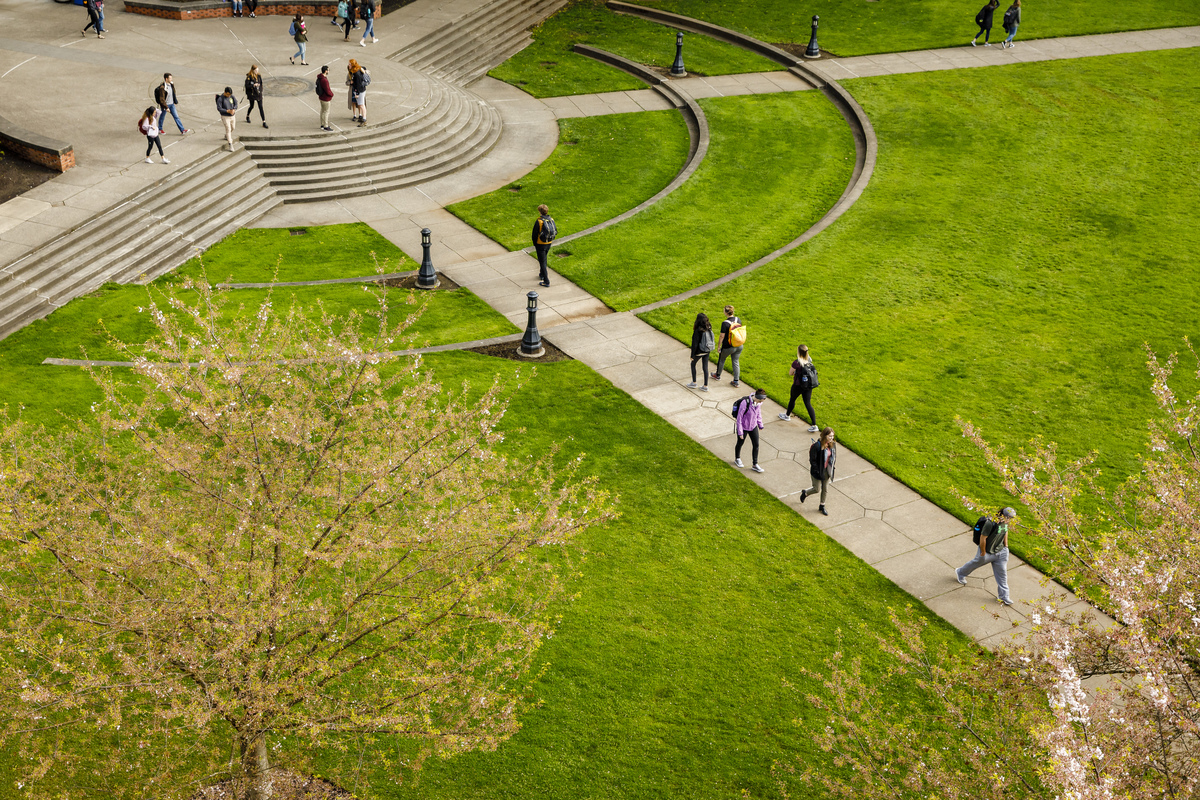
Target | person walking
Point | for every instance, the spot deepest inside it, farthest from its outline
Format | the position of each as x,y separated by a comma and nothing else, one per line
734,352
1012,21
822,461
148,125
545,231
804,380
300,35
227,107
167,97
360,79
340,13
254,94
748,421
702,345
984,20
991,536
368,15
325,95
349,20
95,12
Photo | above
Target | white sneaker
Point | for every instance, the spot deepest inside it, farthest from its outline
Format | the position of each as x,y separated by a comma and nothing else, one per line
757,468
166,160
704,388
374,41
692,385
737,462
987,44
149,160
972,43
362,43
813,429
960,578
784,416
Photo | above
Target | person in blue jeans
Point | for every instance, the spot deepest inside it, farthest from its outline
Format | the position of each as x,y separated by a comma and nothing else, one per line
167,98
237,7
984,20
1012,19
95,10
993,549
368,15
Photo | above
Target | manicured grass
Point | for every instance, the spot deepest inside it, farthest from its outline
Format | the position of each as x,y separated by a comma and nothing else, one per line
251,255
665,679
601,167
548,68
1026,231
775,165
855,27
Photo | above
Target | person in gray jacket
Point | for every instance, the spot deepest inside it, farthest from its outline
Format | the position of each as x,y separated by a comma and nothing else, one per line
1012,21
822,461
227,107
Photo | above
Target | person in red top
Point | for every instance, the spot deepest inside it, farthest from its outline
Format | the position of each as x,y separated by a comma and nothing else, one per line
325,95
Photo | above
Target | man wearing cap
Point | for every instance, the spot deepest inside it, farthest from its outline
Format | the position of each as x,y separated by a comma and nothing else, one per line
993,549
227,108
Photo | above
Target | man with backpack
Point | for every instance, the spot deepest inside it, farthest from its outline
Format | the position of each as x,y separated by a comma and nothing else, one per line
544,234
227,107
733,337
991,537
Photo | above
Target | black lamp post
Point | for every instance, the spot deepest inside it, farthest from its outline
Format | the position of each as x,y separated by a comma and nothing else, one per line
813,51
531,344
427,278
677,70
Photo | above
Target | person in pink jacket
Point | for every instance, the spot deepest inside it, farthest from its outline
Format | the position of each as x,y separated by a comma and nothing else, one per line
748,422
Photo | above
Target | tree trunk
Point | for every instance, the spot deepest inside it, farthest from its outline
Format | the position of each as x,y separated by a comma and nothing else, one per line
255,768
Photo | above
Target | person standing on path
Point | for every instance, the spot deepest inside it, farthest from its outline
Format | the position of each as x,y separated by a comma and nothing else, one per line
804,380
148,125
300,36
368,15
984,20
254,94
325,95
359,80
1012,21
95,11
822,461
227,108
729,349
992,538
545,231
748,421
702,345
167,97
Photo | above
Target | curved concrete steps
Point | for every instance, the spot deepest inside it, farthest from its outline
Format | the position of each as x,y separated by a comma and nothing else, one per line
144,236
449,130
464,50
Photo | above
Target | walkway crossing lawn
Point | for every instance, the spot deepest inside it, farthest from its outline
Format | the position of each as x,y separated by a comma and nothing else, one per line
1026,231
548,68
856,28
775,165
602,167
666,678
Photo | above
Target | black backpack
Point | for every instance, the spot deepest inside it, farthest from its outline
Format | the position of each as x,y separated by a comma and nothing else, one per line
1009,16
984,528
549,230
809,377
737,405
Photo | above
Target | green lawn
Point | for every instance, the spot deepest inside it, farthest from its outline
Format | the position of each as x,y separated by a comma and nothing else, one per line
861,27
1026,230
601,167
775,165
548,68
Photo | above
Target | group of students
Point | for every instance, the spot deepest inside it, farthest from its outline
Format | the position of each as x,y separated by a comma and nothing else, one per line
747,411
986,16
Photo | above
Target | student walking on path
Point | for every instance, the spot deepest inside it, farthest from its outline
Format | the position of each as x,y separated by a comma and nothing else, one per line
325,95
804,380
984,20
167,97
95,11
148,125
299,34
227,107
748,421
733,351
1012,21
359,80
348,21
368,15
822,461
544,234
702,345
991,536
254,94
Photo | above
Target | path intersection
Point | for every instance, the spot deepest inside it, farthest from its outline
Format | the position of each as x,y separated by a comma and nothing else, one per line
104,85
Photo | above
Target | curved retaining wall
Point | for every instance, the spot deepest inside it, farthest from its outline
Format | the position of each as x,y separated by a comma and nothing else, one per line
35,147
206,9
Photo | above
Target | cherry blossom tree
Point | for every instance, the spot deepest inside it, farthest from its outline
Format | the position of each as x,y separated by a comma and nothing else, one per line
277,534
1087,708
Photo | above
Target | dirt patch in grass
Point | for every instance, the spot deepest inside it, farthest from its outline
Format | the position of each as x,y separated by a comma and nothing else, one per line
287,785
18,176
512,351
446,284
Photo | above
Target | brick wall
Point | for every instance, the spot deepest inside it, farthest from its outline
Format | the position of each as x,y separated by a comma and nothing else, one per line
181,10
61,161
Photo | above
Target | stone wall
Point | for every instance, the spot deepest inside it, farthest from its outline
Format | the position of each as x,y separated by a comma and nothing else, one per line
17,141
203,9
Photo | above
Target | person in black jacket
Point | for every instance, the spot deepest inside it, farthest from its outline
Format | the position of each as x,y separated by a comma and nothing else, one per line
544,233
702,345
984,20
728,348
95,10
227,108
254,94
822,460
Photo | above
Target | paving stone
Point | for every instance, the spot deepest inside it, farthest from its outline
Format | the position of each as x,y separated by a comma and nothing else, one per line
23,208
620,326
470,272
633,376
676,365
576,336
587,308
781,477
918,573
877,490
840,507
707,426
603,356
651,343
871,540
667,399
974,612
923,522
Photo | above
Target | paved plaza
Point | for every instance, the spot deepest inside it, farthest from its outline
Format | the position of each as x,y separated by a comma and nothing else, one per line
100,88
